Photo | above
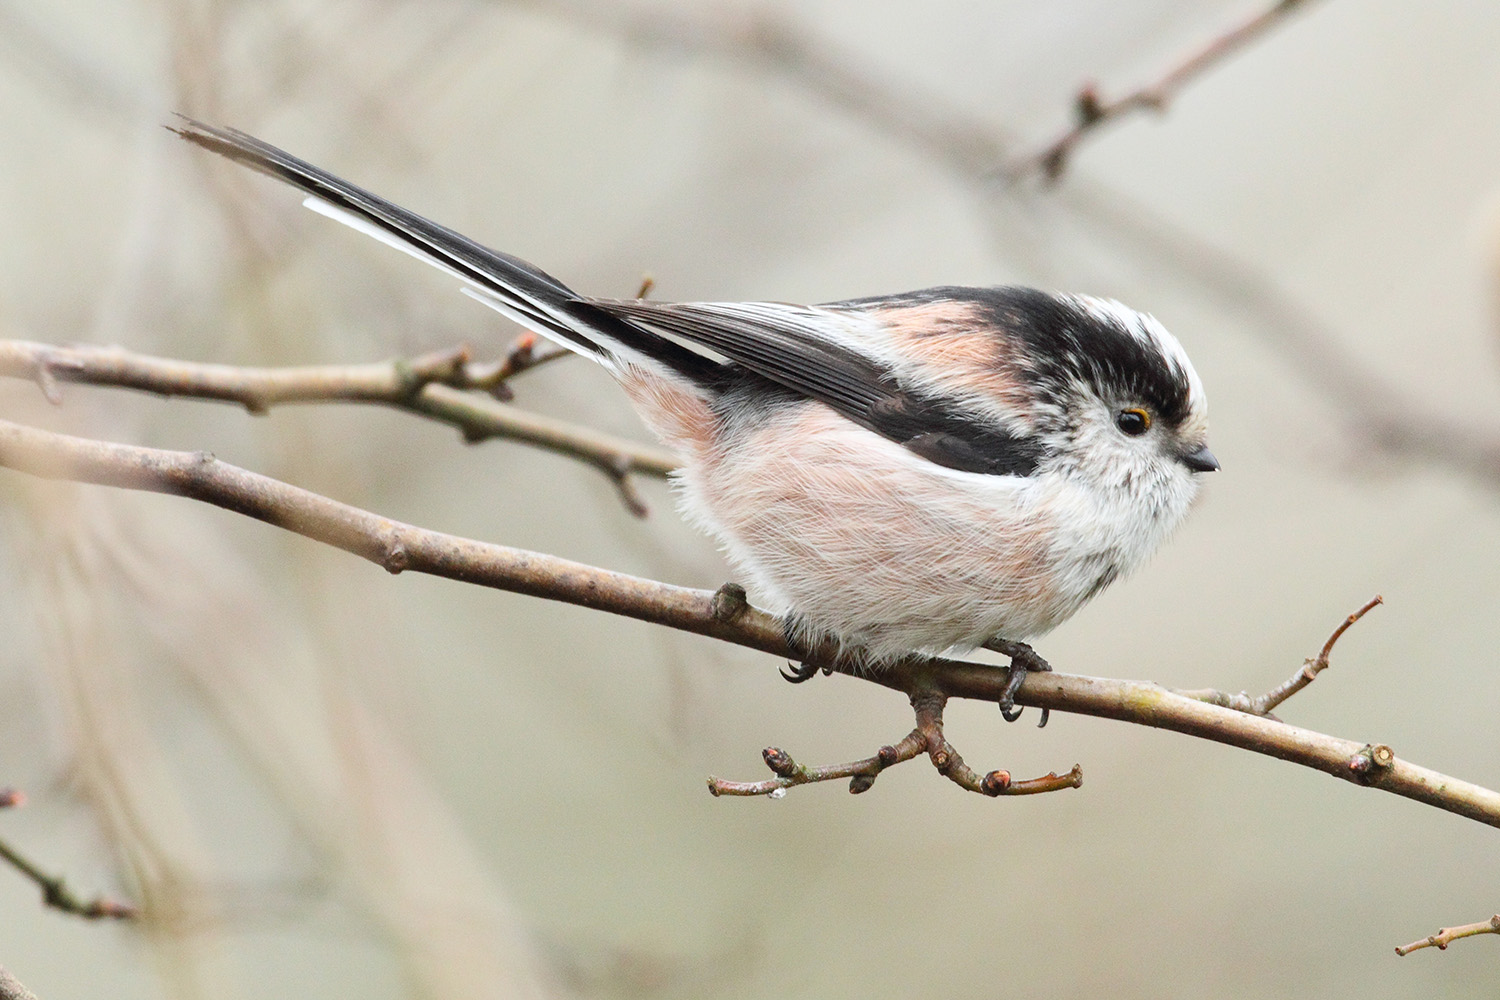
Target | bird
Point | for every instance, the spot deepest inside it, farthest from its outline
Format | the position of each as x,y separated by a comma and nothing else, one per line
899,475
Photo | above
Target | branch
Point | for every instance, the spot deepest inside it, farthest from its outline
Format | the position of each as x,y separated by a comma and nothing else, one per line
785,48
521,357
1311,668
55,892
1447,935
434,385
976,149
1092,113
927,738
398,547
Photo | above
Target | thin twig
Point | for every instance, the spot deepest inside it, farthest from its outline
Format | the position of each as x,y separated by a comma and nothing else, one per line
1092,113
927,738
398,547
256,389
789,773
1447,935
1311,668
976,149
522,356
433,385
55,892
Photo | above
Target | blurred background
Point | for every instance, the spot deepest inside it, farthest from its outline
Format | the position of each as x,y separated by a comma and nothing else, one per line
320,780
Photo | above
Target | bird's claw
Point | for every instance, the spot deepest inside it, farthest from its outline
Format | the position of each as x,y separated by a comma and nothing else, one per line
799,672
1023,660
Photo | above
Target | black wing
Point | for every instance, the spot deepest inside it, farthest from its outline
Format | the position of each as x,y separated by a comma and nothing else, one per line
781,343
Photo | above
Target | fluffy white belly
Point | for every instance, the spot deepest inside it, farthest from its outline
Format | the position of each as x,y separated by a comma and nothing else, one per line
891,553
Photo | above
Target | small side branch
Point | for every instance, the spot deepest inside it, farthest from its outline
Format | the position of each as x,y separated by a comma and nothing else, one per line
443,385
55,892
789,773
928,738
1447,935
256,389
1311,668
1091,112
522,356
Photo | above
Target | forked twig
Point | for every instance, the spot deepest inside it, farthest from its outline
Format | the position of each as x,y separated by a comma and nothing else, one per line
440,385
926,738
1314,666
522,356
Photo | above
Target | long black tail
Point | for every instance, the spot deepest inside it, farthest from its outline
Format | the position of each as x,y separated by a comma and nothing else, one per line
525,293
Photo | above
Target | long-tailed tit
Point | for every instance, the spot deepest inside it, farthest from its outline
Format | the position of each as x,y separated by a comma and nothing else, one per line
920,472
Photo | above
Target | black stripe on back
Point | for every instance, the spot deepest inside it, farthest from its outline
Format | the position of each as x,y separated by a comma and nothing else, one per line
851,383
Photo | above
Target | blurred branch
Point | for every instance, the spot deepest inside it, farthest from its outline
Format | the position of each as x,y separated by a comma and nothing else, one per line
1092,113
1447,935
399,547
1311,668
1377,415
1374,414
977,149
11,989
782,46
55,892
434,385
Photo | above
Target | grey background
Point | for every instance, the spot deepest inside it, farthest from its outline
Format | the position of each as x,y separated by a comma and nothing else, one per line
329,782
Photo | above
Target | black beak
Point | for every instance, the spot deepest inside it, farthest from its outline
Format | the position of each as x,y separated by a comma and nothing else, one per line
1200,459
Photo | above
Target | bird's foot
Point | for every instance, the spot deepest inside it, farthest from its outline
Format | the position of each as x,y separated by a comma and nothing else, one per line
1023,660
793,630
796,673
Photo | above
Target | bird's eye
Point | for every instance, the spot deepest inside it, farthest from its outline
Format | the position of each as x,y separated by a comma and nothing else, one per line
1134,421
